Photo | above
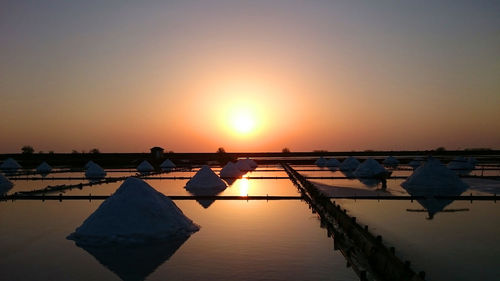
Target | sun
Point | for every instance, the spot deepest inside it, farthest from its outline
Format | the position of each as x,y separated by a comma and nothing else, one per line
243,121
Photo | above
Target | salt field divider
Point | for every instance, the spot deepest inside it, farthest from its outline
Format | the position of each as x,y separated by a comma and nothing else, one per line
368,256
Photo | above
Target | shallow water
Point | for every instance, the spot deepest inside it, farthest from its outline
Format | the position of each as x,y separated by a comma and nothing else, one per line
254,240
459,243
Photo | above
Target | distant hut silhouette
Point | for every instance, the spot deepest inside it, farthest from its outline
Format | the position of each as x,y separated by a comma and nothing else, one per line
157,152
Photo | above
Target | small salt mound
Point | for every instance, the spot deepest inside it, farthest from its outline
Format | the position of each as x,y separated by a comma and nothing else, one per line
391,161
90,163
370,168
415,163
43,168
205,178
251,163
349,164
167,165
5,184
321,162
145,167
472,161
94,171
135,213
460,163
230,171
433,175
243,166
332,162
10,165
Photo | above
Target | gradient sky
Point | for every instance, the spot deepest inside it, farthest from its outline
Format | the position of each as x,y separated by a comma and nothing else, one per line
335,75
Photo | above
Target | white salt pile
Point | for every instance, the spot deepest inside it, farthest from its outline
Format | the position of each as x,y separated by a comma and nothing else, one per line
391,161
321,162
5,184
230,171
135,213
10,165
251,163
460,163
370,168
167,165
90,163
145,167
432,176
349,164
332,162
243,165
43,168
415,163
94,171
205,178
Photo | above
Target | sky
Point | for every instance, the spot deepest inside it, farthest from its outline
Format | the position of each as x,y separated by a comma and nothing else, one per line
256,76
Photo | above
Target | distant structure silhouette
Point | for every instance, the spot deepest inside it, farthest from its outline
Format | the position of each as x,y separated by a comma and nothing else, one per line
157,152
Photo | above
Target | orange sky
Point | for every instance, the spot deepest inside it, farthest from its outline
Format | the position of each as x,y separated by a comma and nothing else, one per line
333,76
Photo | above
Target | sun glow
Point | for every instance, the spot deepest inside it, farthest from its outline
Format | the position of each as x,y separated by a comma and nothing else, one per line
243,122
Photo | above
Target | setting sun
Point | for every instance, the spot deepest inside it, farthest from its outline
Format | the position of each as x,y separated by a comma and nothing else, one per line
243,122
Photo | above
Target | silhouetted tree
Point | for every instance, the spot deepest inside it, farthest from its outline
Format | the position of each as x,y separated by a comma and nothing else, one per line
440,149
94,151
221,150
27,149
74,151
285,150
222,157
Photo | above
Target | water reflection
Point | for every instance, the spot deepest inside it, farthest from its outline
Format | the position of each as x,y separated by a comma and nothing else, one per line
205,203
137,261
432,205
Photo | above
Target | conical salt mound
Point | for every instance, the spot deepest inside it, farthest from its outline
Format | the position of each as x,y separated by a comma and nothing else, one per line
460,163
88,164
145,167
5,184
230,171
251,163
349,164
167,165
391,161
332,162
433,175
43,168
135,213
415,163
10,165
94,171
243,166
205,178
370,168
321,162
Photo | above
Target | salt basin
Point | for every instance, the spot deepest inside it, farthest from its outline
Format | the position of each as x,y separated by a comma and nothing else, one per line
321,162
94,171
167,165
145,167
349,164
205,178
135,213
43,168
230,171
370,168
